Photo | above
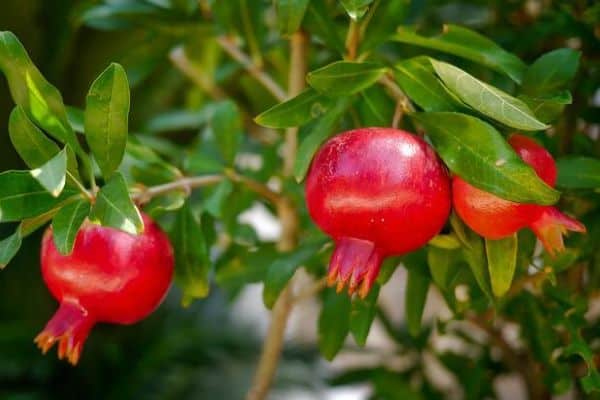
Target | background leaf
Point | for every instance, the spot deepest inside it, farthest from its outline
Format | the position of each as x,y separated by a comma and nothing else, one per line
9,247
502,262
290,14
115,209
578,173
551,72
227,127
334,323
417,286
356,8
362,315
66,224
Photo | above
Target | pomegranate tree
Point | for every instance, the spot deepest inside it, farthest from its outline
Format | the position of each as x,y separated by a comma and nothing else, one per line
377,192
110,276
494,218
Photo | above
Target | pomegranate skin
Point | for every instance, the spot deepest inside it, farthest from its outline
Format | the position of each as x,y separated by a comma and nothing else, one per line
377,192
494,218
110,276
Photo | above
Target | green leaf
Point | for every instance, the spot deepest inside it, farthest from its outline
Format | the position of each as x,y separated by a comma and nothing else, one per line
319,132
548,108
290,14
467,44
66,224
282,270
22,196
356,8
477,153
32,145
318,21
115,209
192,264
381,27
417,286
374,107
227,127
578,173
53,174
40,100
443,266
418,80
448,242
9,247
296,111
362,315
334,323
551,72
502,262
216,201
107,118
76,117
344,78
486,99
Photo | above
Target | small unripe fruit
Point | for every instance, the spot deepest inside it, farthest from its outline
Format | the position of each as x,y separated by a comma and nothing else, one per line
110,276
377,192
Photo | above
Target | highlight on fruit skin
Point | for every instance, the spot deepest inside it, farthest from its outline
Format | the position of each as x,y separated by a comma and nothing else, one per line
110,276
377,192
494,218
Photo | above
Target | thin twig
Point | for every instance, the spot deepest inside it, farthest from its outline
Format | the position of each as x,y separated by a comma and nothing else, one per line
186,184
398,114
183,63
352,40
397,93
310,291
261,76
255,186
81,188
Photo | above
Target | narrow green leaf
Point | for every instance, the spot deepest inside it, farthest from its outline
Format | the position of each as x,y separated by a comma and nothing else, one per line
318,21
297,111
502,261
22,196
334,323
290,14
551,72
344,78
418,80
448,242
66,224
443,266
362,315
467,44
76,117
53,174
476,152
226,124
578,173
192,264
9,247
32,145
107,118
548,108
40,100
381,27
282,270
486,99
374,107
215,203
356,8
319,132
114,207
417,286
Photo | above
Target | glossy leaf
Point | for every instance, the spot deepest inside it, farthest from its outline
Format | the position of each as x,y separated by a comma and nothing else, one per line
319,132
297,111
502,262
468,44
344,78
417,286
9,247
66,224
578,173
356,8
53,174
22,196
227,127
282,270
192,264
418,80
107,118
443,266
114,207
486,99
362,315
551,72
290,14
548,108
32,145
334,323
476,152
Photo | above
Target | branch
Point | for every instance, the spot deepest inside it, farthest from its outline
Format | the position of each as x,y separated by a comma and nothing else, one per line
352,40
257,187
397,93
310,291
261,76
187,183
181,61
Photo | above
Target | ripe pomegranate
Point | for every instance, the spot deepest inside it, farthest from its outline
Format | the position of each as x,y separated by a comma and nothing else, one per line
495,218
111,276
377,192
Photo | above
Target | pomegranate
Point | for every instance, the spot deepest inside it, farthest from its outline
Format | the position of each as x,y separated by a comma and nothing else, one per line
494,218
111,276
377,192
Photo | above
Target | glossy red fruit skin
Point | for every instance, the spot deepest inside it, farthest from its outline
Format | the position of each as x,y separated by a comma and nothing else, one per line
377,192
110,276
494,218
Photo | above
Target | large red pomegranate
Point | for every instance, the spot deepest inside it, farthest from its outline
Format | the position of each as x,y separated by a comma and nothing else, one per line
111,276
377,192
495,218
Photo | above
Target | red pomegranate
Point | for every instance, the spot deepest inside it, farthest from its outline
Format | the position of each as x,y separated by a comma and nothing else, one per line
495,218
377,192
111,276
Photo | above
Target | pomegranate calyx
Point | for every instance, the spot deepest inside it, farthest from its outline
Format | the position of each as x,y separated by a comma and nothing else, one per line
69,327
356,263
551,226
